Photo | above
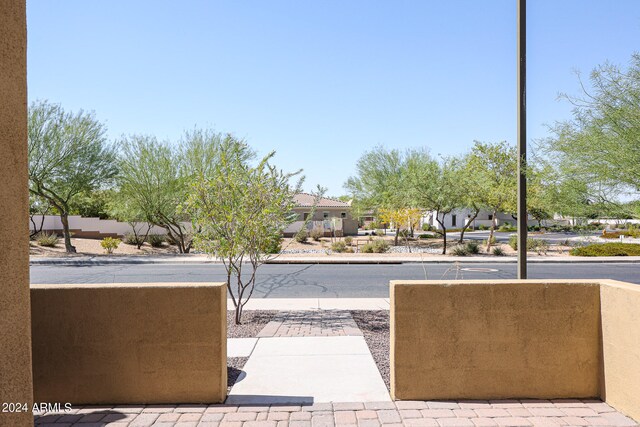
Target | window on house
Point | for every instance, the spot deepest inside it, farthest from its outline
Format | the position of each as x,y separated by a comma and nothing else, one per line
490,217
325,215
343,214
305,216
454,219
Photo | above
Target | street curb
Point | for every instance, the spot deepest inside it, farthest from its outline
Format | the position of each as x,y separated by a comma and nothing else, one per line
88,261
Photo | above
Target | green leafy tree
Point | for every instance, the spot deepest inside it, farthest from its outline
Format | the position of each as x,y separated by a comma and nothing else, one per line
152,185
239,211
495,166
434,186
599,145
378,183
68,156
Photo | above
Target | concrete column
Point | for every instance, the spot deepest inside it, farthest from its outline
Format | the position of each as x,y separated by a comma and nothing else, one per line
15,312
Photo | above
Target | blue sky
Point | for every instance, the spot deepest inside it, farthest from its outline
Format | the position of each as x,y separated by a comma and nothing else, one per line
320,82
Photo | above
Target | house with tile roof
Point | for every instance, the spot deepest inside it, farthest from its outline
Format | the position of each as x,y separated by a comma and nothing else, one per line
332,215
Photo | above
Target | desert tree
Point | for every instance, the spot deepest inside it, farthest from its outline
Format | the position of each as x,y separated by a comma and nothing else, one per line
238,210
434,186
68,156
495,166
379,182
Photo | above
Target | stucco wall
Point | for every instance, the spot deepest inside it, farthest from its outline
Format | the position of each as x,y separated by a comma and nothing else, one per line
620,311
481,339
125,343
94,227
15,333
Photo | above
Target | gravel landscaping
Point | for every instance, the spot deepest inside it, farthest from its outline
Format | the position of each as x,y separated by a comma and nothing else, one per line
252,322
375,328
234,369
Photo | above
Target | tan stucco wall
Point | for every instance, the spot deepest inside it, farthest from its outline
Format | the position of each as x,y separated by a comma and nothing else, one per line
128,343
494,339
15,332
620,306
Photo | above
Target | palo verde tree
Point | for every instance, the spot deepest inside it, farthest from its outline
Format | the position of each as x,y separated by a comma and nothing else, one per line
495,166
598,146
238,211
68,156
378,183
434,186
151,186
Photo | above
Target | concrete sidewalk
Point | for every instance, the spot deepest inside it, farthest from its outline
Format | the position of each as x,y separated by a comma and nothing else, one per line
307,370
300,304
331,259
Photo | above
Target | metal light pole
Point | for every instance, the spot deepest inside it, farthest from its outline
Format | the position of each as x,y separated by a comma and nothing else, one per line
522,139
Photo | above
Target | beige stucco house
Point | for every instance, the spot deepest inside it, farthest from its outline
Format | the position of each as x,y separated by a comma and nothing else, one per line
330,214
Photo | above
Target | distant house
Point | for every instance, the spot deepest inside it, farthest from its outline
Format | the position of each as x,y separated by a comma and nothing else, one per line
330,214
459,217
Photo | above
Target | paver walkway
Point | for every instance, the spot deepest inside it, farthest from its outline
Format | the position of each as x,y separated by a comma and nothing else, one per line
370,414
318,323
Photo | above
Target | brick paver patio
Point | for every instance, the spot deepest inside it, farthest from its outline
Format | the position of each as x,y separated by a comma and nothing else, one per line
372,414
318,323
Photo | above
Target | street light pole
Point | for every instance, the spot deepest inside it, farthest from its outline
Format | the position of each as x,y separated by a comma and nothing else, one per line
522,139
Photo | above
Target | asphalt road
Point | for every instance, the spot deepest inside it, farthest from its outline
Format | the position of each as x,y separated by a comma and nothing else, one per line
326,281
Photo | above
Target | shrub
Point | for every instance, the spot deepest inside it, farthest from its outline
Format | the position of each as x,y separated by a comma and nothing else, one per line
427,227
132,239
513,242
273,247
507,227
459,250
497,251
482,227
302,236
109,244
47,239
349,250
608,249
156,240
403,233
317,233
348,240
339,246
472,247
427,236
379,232
377,246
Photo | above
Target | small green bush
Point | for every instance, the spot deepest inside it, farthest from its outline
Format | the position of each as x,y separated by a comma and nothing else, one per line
376,246
379,232
317,233
49,240
349,250
339,246
427,236
302,236
608,249
472,247
497,251
482,227
273,247
507,227
403,233
513,242
109,244
459,250
132,239
427,227
156,240
348,240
